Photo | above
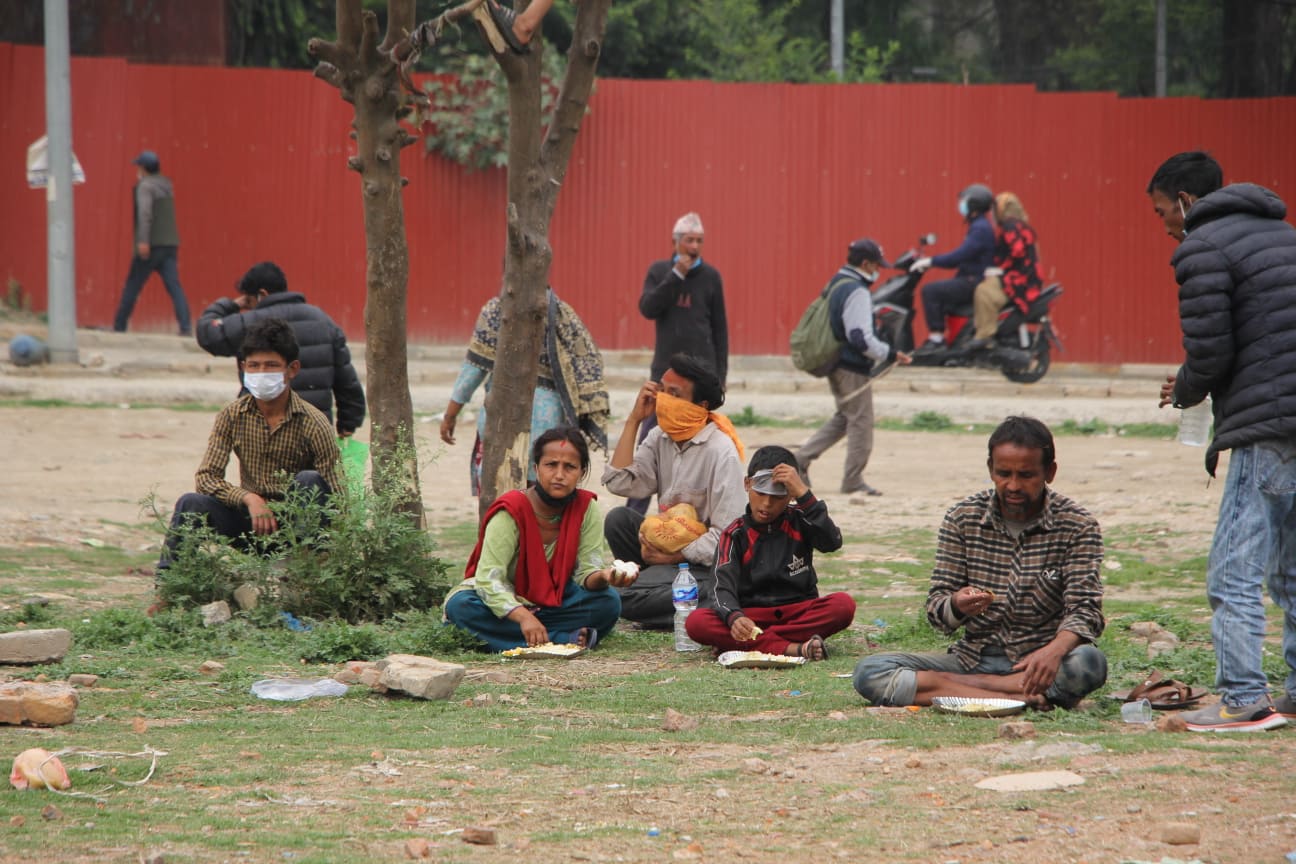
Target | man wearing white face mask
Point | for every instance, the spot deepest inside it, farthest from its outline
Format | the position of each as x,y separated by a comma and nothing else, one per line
862,355
274,432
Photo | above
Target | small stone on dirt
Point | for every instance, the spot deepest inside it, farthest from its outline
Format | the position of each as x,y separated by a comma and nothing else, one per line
417,847
1031,781
480,836
839,716
1017,729
18,821
1180,833
82,679
49,813
37,704
246,597
913,762
28,647
755,766
151,858
677,722
1171,723
214,614
211,667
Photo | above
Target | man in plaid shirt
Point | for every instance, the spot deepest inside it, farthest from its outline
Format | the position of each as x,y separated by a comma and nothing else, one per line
1017,568
279,438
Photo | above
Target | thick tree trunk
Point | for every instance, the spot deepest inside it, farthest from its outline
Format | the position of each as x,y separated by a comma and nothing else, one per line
537,169
367,77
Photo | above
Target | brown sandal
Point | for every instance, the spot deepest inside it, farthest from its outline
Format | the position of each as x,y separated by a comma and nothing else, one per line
1164,694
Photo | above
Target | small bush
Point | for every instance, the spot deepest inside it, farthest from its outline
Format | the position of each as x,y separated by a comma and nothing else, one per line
334,642
931,421
357,557
112,628
31,614
425,633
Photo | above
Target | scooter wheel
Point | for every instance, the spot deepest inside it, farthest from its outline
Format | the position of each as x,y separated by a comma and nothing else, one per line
1036,369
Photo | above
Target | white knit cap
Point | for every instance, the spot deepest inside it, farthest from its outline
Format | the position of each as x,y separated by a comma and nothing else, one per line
689,223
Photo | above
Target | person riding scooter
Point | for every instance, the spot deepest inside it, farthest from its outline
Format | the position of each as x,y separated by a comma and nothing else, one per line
1016,276
970,261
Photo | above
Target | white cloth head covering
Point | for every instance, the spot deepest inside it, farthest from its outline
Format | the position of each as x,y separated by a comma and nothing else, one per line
689,223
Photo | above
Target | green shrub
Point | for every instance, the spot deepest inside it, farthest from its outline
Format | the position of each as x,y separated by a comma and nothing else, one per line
931,421
112,628
357,557
335,642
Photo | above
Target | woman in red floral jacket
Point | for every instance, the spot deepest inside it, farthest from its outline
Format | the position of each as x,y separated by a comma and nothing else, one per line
1016,276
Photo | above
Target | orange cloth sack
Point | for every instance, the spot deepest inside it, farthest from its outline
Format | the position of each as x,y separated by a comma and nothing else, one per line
37,769
673,529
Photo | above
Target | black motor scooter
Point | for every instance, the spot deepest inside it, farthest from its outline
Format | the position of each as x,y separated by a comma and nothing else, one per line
1021,347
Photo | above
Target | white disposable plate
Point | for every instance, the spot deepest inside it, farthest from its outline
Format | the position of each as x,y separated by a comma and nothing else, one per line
757,660
977,707
548,651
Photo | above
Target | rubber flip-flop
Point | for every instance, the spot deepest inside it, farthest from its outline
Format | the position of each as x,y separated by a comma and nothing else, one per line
504,18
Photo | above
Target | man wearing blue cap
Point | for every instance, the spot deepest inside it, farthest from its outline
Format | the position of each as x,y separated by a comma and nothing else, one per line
863,355
157,243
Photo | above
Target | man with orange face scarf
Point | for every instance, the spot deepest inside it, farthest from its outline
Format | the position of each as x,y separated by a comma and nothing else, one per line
693,457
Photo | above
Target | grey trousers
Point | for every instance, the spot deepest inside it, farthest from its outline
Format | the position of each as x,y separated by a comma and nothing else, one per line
648,601
853,420
891,679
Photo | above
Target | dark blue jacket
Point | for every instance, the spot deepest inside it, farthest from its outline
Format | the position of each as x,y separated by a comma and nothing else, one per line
976,252
326,370
1236,270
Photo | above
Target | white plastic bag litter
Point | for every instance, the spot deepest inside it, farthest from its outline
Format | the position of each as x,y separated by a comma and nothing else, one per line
296,689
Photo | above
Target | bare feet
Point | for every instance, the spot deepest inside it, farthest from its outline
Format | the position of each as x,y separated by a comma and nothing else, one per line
587,637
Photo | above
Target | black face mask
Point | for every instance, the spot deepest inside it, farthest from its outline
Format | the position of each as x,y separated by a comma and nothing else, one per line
550,501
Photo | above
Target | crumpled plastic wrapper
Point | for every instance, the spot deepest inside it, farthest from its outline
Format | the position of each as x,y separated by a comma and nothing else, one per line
38,769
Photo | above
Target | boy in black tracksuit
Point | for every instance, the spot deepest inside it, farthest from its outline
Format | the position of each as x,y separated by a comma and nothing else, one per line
767,593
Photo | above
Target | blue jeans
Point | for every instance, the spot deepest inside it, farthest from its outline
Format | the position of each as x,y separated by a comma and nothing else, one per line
891,679
580,608
163,260
1255,543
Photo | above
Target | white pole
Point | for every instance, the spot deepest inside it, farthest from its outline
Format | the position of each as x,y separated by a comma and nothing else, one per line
60,239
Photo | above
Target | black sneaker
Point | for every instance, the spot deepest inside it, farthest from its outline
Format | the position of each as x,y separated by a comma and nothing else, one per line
1254,716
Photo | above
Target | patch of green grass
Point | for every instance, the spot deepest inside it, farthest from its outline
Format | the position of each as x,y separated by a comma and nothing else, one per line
748,417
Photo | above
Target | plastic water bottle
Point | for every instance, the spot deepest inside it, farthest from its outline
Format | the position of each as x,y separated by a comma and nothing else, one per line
1195,424
684,591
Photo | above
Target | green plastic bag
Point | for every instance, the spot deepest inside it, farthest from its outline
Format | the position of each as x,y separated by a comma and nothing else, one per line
355,457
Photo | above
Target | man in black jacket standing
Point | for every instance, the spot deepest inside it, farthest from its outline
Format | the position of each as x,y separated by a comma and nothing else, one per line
684,297
326,370
1236,269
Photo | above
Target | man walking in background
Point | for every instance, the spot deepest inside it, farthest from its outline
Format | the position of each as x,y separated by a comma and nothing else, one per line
862,355
1236,269
157,243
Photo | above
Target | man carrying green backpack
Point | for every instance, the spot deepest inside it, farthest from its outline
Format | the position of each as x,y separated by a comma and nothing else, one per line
836,338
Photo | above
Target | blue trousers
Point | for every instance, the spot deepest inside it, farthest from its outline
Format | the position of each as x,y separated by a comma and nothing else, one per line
162,259
580,608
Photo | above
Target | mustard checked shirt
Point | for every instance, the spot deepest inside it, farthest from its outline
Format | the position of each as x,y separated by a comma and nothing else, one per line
1044,580
304,441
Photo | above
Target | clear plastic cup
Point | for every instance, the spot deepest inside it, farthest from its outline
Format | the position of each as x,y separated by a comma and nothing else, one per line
1139,711
1195,424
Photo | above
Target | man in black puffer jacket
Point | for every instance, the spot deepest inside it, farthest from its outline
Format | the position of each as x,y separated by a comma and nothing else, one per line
1236,268
326,370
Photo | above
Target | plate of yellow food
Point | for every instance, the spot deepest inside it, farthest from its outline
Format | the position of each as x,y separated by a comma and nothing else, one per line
548,651
757,660
975,706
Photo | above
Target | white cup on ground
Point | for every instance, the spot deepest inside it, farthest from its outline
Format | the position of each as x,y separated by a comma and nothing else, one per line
1139,711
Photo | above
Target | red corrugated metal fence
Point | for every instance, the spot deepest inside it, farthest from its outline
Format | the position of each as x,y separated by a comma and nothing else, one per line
784,177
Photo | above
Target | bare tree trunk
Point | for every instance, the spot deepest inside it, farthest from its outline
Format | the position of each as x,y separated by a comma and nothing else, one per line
364,72
537,169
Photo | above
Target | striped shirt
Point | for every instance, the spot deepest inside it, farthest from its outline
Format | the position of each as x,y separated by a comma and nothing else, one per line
304,441
1045,580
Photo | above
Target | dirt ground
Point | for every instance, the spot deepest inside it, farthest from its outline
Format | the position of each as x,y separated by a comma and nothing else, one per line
81,473
78,474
